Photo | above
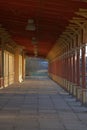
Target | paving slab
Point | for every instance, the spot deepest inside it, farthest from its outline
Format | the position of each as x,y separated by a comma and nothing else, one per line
40,104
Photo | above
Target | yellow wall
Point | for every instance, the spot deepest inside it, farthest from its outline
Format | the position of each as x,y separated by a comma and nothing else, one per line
8,68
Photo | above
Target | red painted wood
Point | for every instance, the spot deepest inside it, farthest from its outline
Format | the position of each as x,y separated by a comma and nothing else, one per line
74,69
50,16
78,67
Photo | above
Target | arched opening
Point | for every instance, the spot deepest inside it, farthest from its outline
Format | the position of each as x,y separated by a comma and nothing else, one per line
36,67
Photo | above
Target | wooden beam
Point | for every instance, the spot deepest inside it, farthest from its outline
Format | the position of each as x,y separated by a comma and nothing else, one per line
82,10
73,29
66,38
78,21
81,14
68,34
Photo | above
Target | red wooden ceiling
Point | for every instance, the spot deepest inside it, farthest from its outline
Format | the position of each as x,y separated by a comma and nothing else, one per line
50,16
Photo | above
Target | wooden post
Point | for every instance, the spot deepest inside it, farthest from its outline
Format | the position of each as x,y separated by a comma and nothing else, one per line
83,68
74,69
78,67
23,66
16,65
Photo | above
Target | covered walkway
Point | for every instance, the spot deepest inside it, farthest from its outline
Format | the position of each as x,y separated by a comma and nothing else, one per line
53,30
40,104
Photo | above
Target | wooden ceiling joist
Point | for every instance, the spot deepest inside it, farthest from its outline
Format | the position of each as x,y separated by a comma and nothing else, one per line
53,20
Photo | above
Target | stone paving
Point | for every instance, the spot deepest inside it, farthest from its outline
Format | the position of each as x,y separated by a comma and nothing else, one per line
40,104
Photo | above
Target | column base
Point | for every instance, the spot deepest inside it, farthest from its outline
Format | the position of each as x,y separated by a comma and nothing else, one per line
84,96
